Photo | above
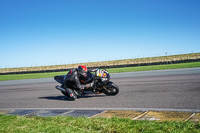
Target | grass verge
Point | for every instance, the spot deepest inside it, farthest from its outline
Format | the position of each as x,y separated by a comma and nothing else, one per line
154,67
58,124
111,70
148,60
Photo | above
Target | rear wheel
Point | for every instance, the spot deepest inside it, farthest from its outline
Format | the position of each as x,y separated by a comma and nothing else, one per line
111,89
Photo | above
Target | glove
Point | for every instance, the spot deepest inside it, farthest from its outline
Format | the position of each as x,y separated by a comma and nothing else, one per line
87,85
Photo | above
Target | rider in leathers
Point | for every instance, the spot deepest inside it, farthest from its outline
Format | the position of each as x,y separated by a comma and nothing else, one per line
72,80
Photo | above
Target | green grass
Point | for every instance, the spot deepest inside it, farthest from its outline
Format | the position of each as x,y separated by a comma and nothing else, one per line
111,70
67,124
159,59
30,76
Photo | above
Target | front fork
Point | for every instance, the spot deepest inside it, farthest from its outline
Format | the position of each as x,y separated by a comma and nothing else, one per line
106,89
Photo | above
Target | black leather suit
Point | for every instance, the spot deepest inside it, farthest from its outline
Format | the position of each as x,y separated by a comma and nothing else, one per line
72,79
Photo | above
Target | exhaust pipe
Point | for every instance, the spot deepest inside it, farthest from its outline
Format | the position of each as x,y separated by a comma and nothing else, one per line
60,88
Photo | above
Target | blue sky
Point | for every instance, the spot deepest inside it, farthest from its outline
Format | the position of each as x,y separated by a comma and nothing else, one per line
54,32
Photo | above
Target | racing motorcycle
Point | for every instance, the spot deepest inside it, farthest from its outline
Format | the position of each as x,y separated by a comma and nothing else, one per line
97,82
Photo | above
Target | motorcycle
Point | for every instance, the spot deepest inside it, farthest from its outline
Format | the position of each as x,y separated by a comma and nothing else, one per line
97,82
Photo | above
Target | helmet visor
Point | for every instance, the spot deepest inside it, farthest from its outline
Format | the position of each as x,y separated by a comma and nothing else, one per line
84,74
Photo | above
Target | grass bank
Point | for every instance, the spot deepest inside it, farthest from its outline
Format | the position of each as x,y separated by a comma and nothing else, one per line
58,124
111,70
154,67
149,60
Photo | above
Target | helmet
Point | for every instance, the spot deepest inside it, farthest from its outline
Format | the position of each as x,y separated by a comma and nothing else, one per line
82,70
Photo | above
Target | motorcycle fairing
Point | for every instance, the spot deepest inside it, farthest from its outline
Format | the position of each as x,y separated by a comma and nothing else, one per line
60,78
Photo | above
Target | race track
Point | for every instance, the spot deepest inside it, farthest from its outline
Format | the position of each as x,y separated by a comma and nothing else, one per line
161,89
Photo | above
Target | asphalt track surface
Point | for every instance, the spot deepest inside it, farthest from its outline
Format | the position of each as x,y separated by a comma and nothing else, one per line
175,89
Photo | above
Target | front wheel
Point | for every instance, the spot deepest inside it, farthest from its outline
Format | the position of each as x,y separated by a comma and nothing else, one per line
111,89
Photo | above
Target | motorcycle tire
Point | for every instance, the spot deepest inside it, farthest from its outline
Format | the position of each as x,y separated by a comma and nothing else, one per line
112,89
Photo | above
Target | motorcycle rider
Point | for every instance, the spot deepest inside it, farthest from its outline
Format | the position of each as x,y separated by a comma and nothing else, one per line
72,80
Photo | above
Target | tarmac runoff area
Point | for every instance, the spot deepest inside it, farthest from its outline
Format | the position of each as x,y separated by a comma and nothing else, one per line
158,115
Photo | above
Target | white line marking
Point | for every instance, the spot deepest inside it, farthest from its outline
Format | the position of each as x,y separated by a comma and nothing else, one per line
190,117
70,111
137,109
139,116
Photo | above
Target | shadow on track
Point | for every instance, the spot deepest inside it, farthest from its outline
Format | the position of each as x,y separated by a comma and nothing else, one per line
55,98
67,99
